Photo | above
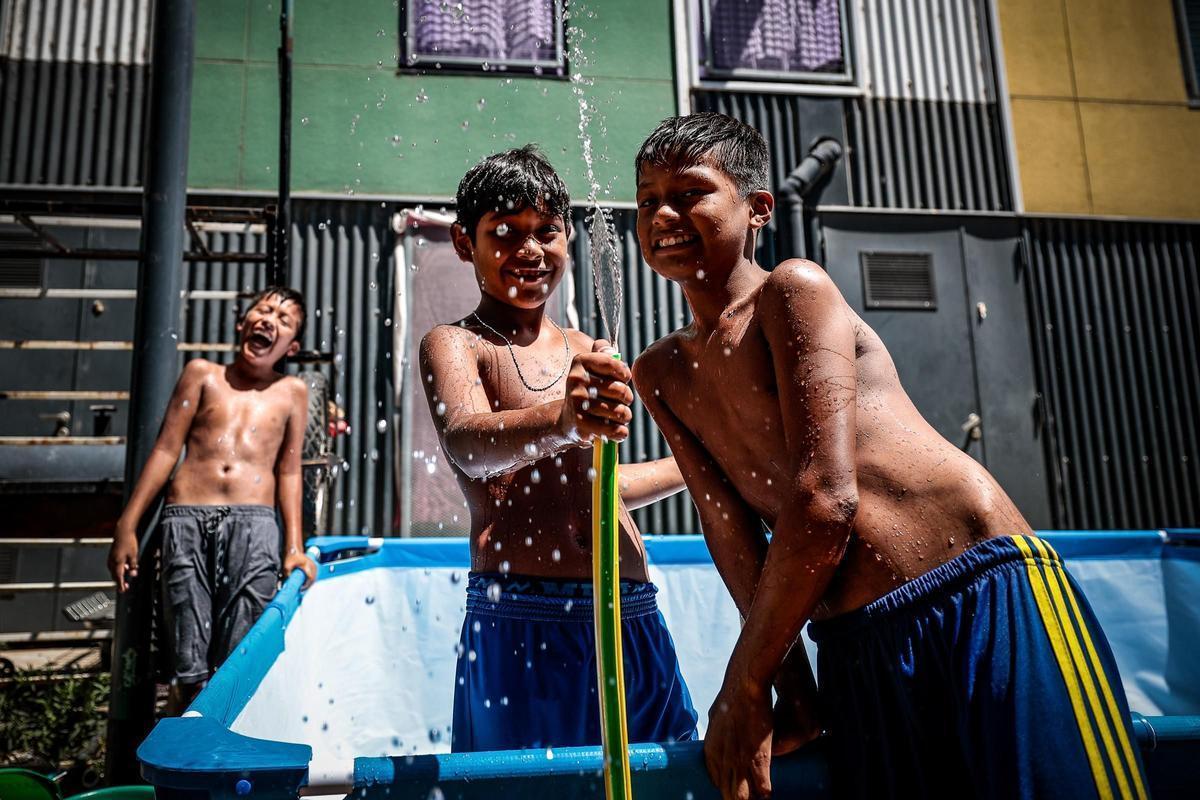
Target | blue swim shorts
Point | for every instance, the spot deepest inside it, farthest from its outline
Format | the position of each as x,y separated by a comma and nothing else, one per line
526,674
987,677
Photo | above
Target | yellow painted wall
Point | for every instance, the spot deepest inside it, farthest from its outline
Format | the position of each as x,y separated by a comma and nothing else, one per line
1100,108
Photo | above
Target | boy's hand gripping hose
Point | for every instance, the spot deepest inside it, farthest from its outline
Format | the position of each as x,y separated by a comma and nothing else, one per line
606,583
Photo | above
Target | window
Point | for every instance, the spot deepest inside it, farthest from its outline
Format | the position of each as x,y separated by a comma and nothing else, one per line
1187,15
793,40
488,35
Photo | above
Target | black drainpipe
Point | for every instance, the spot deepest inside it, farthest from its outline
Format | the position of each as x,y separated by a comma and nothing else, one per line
813,168
280,273
155,365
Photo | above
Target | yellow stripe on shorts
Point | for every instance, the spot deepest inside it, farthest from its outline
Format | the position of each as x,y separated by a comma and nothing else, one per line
1101,676
1051,570
1058,644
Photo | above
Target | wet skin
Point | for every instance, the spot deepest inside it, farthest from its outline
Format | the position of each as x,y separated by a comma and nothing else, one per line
243,427
819,442
522,457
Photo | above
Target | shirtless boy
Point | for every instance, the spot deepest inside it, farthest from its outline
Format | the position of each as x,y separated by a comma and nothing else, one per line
517,402
243,427
942,666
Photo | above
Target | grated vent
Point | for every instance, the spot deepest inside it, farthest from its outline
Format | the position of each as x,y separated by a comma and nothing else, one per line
24,272
898,280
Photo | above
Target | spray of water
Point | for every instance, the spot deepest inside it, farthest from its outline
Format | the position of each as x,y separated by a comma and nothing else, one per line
603,242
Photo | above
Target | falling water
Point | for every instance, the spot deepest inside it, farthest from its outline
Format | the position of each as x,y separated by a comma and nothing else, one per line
604,245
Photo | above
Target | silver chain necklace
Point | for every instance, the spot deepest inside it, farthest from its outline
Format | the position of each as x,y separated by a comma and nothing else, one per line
511,352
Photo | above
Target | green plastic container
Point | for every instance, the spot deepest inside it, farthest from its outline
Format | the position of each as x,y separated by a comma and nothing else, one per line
116,793
25,784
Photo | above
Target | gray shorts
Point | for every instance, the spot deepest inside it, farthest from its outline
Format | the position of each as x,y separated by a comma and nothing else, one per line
220,568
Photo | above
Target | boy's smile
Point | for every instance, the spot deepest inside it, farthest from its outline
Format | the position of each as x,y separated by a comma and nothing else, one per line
519,256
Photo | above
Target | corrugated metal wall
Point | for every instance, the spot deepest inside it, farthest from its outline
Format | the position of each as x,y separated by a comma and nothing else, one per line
654,306
73,83
928,133
342,261
927,155
1116,316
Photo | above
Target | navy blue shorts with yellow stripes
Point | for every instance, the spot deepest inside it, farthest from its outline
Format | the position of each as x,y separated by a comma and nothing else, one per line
986,677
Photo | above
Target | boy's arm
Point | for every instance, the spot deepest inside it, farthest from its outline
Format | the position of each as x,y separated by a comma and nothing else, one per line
649,481
289,484
484,442
812,345
732,531
181,410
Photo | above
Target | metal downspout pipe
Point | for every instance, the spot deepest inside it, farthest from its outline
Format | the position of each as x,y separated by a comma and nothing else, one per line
812,169
155,365
280,267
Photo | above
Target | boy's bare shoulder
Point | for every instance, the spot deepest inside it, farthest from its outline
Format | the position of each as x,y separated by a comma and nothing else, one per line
197,370
796,283
449,340
294,385
578,339
656,362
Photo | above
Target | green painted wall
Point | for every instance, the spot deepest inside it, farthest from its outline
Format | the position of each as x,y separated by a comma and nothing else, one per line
359,127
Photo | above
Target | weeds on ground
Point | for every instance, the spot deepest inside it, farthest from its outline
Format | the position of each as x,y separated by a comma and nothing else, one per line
49,724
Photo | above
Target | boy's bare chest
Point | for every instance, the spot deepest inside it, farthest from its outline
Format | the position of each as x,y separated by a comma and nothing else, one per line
726,394
523,377
228,416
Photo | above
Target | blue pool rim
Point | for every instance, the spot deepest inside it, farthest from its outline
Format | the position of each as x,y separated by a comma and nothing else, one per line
198,752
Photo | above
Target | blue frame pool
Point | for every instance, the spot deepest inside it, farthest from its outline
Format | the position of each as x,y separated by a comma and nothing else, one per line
249,732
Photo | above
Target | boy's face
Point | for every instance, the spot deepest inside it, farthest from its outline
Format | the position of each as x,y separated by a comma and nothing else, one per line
519,256
693,222
268,330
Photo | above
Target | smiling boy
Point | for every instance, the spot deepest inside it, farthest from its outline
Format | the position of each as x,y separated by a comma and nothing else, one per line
955,657
517,402
243,428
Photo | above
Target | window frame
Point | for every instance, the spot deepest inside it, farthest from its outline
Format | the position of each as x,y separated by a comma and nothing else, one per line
699,37
411,62
1189,58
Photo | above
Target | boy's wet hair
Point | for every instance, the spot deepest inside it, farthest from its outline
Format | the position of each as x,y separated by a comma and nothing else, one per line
511,181
710,138
285,294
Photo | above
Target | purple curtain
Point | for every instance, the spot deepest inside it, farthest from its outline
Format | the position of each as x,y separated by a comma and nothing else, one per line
778,35
498,30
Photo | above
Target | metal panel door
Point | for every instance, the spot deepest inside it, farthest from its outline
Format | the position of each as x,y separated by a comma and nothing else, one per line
930,345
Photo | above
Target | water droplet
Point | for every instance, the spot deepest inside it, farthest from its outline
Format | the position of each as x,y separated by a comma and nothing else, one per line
531,449
512,291
591,474
535,477
441,409
563,479
505,567
381,426
466,124
549,754
422,97
304,120
502,229
369,599
493,591
555,555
